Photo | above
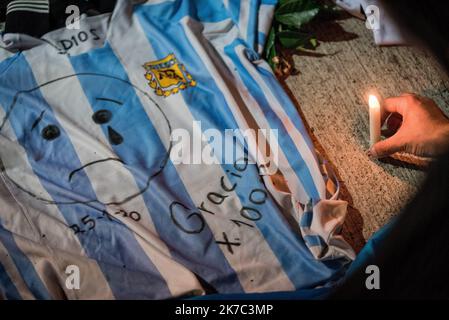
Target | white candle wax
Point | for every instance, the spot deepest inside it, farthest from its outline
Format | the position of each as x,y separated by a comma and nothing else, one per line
374,119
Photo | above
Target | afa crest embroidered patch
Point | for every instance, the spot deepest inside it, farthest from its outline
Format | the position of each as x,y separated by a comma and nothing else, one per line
167,76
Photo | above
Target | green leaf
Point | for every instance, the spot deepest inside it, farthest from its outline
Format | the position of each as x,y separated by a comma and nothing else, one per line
271,54
297,19
290,16
292,39
296,40
295,13
270,41
270,47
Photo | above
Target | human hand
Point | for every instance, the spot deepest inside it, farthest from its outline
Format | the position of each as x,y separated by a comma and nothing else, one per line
415,125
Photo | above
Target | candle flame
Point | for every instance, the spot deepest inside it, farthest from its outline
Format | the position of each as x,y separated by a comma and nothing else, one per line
373,102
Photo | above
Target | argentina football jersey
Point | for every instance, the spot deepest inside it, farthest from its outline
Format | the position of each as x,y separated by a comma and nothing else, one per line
154,151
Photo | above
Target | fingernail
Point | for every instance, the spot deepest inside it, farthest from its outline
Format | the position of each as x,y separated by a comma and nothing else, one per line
371,153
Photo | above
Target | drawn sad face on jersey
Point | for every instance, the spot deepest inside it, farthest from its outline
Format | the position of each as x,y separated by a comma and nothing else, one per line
63,145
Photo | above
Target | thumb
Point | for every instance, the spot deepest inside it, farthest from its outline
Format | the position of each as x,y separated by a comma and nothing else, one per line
386,147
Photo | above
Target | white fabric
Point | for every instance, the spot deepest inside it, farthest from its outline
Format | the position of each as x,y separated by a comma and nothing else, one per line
385,30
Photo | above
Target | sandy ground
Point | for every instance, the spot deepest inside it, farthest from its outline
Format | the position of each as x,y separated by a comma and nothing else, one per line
330,91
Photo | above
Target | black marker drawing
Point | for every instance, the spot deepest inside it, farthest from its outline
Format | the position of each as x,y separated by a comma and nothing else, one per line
228,243
36,122
51,132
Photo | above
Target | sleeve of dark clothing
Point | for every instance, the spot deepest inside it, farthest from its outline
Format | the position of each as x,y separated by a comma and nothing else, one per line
413,255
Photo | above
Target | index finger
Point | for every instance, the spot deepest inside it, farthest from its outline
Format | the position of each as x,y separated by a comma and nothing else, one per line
396,104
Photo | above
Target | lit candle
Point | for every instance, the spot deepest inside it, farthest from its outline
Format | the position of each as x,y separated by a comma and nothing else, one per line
374,119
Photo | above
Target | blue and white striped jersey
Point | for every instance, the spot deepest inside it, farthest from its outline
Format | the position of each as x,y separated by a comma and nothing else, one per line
88,178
